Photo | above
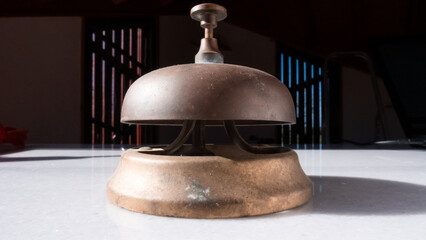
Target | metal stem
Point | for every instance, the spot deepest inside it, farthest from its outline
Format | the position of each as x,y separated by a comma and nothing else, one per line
208,33
209,14
198,141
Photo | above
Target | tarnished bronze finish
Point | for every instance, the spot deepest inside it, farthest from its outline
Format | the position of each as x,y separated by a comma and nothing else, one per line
208,14
211,92
209,52
208,181
208,90
200,11
231,184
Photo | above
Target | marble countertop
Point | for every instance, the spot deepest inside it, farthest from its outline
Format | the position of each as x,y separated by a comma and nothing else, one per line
59,193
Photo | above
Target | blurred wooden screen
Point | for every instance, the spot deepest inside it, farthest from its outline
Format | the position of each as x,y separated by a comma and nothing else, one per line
117,52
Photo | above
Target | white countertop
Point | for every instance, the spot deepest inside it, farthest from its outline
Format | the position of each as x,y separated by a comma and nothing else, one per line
358,194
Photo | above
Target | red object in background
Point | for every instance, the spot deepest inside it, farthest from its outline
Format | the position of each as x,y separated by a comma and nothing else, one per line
13,136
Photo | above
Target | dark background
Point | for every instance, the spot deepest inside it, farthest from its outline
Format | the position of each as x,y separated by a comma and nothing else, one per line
42,53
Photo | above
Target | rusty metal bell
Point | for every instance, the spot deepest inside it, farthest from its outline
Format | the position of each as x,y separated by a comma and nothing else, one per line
213,92
208,181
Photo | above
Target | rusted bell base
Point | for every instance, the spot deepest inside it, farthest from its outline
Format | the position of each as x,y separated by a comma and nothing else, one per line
231,184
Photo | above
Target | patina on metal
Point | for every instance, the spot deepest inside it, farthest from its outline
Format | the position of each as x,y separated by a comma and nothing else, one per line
233,183
210,91
208,181
208,15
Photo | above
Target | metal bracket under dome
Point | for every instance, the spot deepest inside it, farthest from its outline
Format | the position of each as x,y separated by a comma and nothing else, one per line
208,14
184,134
196,128
232,131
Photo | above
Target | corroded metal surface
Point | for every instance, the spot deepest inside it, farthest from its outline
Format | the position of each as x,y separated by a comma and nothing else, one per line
211,92
208,14
208,90
231,184
200,11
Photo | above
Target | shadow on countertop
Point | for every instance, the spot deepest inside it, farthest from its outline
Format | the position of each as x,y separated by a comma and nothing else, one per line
362,196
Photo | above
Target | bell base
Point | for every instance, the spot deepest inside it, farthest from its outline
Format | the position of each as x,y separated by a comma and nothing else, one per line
231,184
